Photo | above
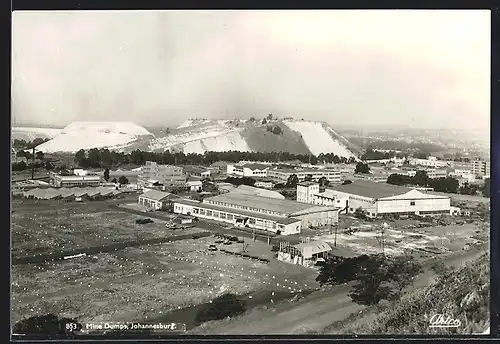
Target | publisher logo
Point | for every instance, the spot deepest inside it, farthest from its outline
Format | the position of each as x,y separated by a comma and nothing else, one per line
444,321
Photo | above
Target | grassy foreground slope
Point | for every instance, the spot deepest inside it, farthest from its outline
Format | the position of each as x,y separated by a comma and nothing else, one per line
462,294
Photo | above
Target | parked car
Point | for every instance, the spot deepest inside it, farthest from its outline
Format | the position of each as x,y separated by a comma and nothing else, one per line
219,241
212,248
227,242
195,237
143,221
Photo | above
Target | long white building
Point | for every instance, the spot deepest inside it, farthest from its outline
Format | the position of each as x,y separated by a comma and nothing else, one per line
283,217
379,198
248,170
282,175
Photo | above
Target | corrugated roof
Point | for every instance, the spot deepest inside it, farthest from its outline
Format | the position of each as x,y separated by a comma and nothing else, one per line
313,247
307,183
155,195
250,190
371,189
256,166
280,220
277,205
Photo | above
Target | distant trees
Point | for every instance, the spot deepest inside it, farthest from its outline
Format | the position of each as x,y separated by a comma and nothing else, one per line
443,184
292,181
106,174
122,180
19,166
22,144
270,117
264,121
486,188
399,179
468,189
96,158
360,213
308,177
39,155
240,181
323,182
421,178
362,168
114,180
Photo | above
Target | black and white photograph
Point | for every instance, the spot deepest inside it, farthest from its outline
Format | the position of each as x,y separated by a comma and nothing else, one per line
250,172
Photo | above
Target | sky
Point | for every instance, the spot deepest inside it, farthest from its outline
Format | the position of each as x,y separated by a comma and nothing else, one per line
425,69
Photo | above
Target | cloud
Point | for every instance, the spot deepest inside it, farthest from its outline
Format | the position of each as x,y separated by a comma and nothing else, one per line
427,68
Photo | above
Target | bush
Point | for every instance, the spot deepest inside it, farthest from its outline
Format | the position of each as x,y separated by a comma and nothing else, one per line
227,305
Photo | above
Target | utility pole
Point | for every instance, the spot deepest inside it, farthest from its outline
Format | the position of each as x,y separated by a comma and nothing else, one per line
335,237
33,166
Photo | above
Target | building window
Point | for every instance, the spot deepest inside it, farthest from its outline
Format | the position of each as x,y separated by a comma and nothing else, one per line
412,202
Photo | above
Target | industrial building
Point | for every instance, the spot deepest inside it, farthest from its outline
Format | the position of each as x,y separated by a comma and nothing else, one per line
282,175
248,170
166,175
81,178
478,167
309,192
155,199
306,253
379,198
264,182
197,171
275,215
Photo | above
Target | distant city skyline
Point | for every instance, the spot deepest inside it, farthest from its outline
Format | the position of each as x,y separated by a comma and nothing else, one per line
422,69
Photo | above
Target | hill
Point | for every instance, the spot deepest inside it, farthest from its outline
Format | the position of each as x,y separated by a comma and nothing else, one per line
86,135
31,133
299,137
460,293
202,135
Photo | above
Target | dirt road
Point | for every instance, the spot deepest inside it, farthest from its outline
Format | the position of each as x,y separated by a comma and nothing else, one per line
313,313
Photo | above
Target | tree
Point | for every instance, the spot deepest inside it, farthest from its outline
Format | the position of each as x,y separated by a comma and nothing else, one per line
308,177
292,181
114,180
448,184
48,166
486,188
420,178
323,182
39,155
123,180
399,179
81,158
334,272
362,168
19,166
384,278
360,213
468,189
264,121
270,117
227,305
106,174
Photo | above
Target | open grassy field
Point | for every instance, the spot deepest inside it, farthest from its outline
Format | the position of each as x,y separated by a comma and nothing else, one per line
397,238
146,282
68,226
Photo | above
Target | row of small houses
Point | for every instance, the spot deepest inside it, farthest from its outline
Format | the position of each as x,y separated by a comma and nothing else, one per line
72,193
